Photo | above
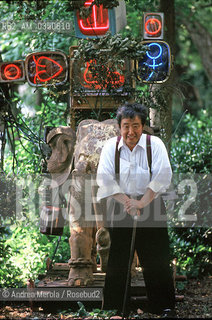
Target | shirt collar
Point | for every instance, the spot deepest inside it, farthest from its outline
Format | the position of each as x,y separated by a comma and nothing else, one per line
141,143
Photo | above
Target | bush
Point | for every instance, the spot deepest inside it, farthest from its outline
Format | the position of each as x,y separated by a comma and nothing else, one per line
191,156
23,253
192,152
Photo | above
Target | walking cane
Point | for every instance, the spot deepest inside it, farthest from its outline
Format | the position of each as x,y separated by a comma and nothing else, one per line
135,218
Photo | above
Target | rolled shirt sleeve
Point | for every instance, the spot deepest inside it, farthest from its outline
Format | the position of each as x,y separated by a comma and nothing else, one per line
106,179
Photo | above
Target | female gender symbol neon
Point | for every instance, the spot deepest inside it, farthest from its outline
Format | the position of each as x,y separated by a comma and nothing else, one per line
154,65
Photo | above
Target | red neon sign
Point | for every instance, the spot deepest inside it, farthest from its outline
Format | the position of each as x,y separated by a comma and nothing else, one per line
92,78
12,71
97,23
153,26
47,70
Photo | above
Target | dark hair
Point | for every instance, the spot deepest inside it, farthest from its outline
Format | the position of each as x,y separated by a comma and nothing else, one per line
131,111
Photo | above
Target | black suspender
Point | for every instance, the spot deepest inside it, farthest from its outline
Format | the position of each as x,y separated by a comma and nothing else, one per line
149,153
117,159
148,150
117,156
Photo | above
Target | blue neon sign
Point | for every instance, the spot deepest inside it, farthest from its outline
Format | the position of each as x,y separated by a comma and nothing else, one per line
155,64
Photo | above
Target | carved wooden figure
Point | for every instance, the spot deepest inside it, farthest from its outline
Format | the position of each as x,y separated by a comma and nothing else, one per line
91,135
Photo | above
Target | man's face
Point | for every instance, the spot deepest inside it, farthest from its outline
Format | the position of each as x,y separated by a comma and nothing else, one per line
131,130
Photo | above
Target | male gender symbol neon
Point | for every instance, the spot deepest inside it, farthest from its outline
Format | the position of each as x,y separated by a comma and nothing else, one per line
154,65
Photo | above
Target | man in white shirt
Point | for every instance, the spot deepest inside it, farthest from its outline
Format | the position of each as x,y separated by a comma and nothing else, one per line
136,191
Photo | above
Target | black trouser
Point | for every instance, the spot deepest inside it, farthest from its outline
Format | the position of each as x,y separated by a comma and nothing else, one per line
152,245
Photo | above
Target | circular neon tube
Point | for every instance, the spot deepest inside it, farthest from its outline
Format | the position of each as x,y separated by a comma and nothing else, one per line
154,22
160,51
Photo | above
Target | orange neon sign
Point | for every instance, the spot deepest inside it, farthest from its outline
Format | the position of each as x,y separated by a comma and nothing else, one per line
97,22
153,26
92,77
12,71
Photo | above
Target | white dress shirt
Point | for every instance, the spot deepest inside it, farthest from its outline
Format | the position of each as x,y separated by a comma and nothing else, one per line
134,168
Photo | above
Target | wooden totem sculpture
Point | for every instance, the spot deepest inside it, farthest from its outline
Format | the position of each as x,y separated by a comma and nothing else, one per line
91,135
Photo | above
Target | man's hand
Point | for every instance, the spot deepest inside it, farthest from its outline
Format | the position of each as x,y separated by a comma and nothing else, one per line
132,207
132,204
123,198
134,212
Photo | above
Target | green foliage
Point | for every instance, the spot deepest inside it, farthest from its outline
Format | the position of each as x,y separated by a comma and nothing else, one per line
23,252
28,133
135,11
24,255
192,249
191,159
192,79
110,47
85,11
192,151
83,313
7,199
23,249
17,44
63,252
102,314
9,275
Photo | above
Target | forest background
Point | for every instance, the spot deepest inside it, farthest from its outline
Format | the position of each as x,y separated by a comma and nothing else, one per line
25,111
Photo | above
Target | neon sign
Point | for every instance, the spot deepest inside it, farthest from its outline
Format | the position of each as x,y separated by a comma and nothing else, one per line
92,78
100,20
155,65
154,55
12,71
153,25
97,22
46,68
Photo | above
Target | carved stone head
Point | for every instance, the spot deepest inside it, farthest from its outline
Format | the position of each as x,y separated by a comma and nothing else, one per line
62,141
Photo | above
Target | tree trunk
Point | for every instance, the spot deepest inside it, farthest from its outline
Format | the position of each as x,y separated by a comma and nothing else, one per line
4,108
162,93
2,145
39,97
202,40
167,88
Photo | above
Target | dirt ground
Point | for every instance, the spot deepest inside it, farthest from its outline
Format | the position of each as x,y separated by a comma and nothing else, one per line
197,303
